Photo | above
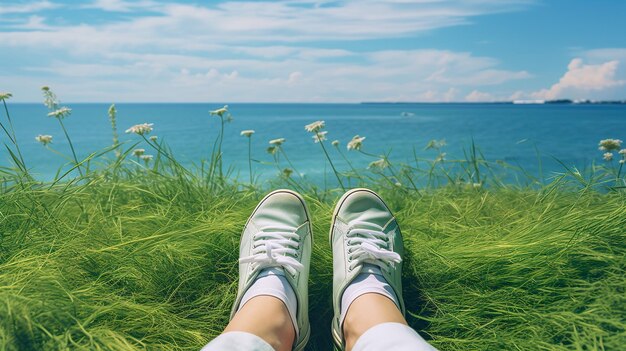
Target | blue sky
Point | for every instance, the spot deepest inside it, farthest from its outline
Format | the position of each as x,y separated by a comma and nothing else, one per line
313,51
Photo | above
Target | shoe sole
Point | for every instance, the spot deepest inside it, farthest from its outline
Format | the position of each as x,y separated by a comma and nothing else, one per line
306,333
336,338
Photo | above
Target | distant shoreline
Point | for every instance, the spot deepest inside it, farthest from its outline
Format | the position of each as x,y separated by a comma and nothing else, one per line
516,102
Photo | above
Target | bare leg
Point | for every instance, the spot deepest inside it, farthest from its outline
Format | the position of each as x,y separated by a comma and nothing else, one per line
267,318
366,311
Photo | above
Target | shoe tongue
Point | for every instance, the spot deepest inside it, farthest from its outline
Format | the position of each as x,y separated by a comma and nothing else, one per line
271,271
371,268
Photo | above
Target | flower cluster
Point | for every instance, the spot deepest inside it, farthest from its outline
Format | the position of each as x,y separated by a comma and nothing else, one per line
356,143
5,96
50,99
147,158
60,113
277,142
44,139
140,129
379,164
315,127
287,172
320,136
436,144
609,144
247,133
139,152
220,111
441,157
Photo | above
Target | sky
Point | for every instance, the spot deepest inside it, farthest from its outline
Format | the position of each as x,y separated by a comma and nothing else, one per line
313,51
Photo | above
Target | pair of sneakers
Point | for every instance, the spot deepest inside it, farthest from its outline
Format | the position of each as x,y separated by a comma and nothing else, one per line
364,236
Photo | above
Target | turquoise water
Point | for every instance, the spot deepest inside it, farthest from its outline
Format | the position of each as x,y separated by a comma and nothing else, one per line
502,131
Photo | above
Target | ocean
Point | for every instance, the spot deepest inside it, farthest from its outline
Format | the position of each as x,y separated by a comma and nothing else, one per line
507,132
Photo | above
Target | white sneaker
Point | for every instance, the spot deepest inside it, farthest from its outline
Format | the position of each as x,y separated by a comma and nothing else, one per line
278,234
363,234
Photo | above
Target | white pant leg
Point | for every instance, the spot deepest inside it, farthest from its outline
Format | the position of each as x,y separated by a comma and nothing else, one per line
238,341
391,336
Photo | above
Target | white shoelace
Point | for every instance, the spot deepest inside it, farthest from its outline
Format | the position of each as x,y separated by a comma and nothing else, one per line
369,246
275,247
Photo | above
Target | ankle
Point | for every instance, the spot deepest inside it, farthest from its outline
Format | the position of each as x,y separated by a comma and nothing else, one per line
268,318
367,311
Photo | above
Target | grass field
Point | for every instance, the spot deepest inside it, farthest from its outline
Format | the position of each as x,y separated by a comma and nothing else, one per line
138,257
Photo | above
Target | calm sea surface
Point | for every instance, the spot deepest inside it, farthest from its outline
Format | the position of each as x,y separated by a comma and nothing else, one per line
502,131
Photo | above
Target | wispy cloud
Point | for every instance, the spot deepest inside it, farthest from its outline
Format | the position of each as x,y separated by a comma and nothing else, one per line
120,5
27,7
252,50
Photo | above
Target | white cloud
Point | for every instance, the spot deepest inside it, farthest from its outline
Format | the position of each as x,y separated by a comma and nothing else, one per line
261,22
249,51
294,77
33,22
479,96
27,8
605,54
120,5
581,81
379,75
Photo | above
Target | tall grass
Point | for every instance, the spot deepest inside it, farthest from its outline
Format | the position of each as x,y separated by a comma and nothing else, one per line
142,255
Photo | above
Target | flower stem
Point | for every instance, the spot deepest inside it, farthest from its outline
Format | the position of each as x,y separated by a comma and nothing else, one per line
219,150
71,146
331,164
289,161
356,173
250,158
12,136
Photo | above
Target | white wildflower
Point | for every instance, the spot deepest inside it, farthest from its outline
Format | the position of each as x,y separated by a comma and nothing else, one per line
112,111
335,143
320,136
609,144
315,126
44,139
220,111
622,152
147,158
247,133
608,156
60,113
621,162
140,129
287,172
50,99
436,144
356,143
441,157
154,138
5,96
379,164
277,142
139,152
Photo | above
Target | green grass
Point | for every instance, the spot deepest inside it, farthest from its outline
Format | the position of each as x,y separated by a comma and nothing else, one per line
134,255
140,264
